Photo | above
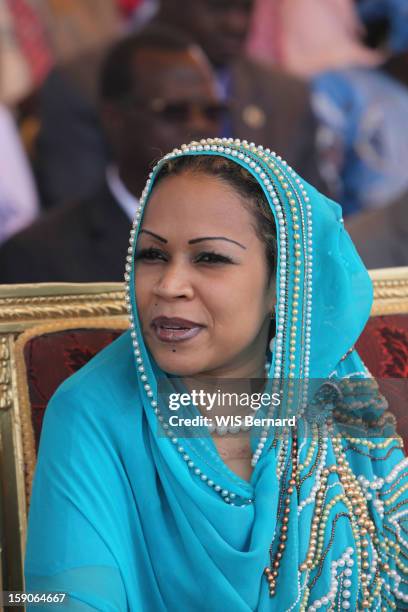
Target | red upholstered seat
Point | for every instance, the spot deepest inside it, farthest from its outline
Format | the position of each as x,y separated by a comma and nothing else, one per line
383,347
53,357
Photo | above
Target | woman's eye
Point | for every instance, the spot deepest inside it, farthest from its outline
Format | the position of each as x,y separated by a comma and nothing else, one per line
150,255
212,258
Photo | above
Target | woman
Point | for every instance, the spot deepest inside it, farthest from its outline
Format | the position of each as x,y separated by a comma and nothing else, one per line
126,516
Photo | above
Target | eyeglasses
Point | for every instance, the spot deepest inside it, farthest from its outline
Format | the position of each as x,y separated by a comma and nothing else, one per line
184,111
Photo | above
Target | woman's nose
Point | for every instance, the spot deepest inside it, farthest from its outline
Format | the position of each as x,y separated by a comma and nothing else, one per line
174,282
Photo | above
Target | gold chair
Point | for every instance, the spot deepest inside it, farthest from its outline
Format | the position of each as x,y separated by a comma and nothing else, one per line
34,319
65,324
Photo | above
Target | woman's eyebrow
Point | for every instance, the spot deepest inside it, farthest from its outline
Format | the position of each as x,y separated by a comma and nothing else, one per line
154,235
195,240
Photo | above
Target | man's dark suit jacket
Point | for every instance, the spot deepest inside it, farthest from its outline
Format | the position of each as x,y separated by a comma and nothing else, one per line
83,242
381,236
269,108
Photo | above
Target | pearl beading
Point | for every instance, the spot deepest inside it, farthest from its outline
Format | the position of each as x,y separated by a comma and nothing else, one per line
316,486
300,590
284,508
284,282
401,465
394,521
345,563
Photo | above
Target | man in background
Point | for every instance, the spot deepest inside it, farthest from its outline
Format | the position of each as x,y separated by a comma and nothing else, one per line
267,106
156,91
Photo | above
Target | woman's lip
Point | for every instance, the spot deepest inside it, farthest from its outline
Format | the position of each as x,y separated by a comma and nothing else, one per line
165,334
175,329
174,322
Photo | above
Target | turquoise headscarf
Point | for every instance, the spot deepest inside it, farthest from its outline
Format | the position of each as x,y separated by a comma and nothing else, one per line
122,518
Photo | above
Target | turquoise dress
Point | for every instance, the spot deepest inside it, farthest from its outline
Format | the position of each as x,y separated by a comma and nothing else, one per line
125,518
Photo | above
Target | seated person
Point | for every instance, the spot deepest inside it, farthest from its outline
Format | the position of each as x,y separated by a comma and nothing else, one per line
268,106
239,271
156,89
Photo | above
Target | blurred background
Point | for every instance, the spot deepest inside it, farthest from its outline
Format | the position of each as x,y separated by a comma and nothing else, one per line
93,92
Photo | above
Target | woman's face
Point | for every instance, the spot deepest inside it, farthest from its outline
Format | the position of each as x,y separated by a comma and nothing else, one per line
202,289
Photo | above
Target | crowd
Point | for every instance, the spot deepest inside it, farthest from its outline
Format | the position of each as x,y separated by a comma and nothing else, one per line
92,92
